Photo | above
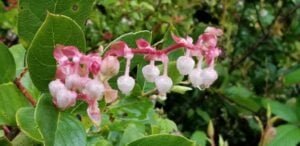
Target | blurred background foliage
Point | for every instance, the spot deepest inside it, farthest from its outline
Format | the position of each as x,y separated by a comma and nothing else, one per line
259,66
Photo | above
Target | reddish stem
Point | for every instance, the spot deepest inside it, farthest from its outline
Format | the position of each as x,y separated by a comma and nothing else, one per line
18,83
151,52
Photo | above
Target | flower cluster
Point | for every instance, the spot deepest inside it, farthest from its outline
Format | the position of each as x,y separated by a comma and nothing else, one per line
85,76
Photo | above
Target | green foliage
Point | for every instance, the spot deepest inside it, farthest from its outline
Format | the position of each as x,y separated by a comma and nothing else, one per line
26,122
56,127
292,77
7,65
163,139
286,135
32,14
11,100
57,29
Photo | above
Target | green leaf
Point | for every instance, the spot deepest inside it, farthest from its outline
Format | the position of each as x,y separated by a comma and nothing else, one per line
199,137
286,135
132,108
32,13
131,133
281,110
11,100
163,140
18,52
7,65
57,29
164,126
243,97
292,77
56,127
22,140
27,124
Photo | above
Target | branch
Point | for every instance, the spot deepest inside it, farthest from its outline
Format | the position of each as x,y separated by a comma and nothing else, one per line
18,83
251,49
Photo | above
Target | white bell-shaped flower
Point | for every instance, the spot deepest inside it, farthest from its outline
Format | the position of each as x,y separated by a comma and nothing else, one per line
125,84
209,76
94,89
163,84
195,77
73,81
55,86
65,98
150,72
185,64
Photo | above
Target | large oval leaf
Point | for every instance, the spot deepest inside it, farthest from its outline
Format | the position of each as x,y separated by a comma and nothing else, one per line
32,13
7,65
27,124
11,100
163,140
286,135
58,128
57,29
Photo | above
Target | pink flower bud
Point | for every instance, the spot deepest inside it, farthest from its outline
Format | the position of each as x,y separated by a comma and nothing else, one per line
94,112
163,84
110,66
195,77
110,95
185,64
150,72
55,87
125,84
209,76
73,81
94,89
64,99
214,31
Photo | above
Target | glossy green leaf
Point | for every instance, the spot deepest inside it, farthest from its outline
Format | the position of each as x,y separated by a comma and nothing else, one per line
23,140
199,137
132,108
292,77
163,140
58,128
27,124
7,65
163,126
131,133
32,14
281,110
242,96
11,100
18,52
57,29
286,135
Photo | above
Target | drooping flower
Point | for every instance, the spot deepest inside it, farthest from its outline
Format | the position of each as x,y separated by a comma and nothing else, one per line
185,64
163,84
125,84
150,72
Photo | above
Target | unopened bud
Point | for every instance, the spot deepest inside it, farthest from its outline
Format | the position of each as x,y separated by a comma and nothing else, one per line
73,81
64,99
195,77
163,84
185,64
55,86
94,89
94,113
110,66
150,72
125,84
209,76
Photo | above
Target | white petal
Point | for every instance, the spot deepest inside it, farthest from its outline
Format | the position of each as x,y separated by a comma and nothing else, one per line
150,72
185,64
125,84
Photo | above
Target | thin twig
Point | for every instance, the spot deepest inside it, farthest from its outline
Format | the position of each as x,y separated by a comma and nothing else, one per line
251,49
18,83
